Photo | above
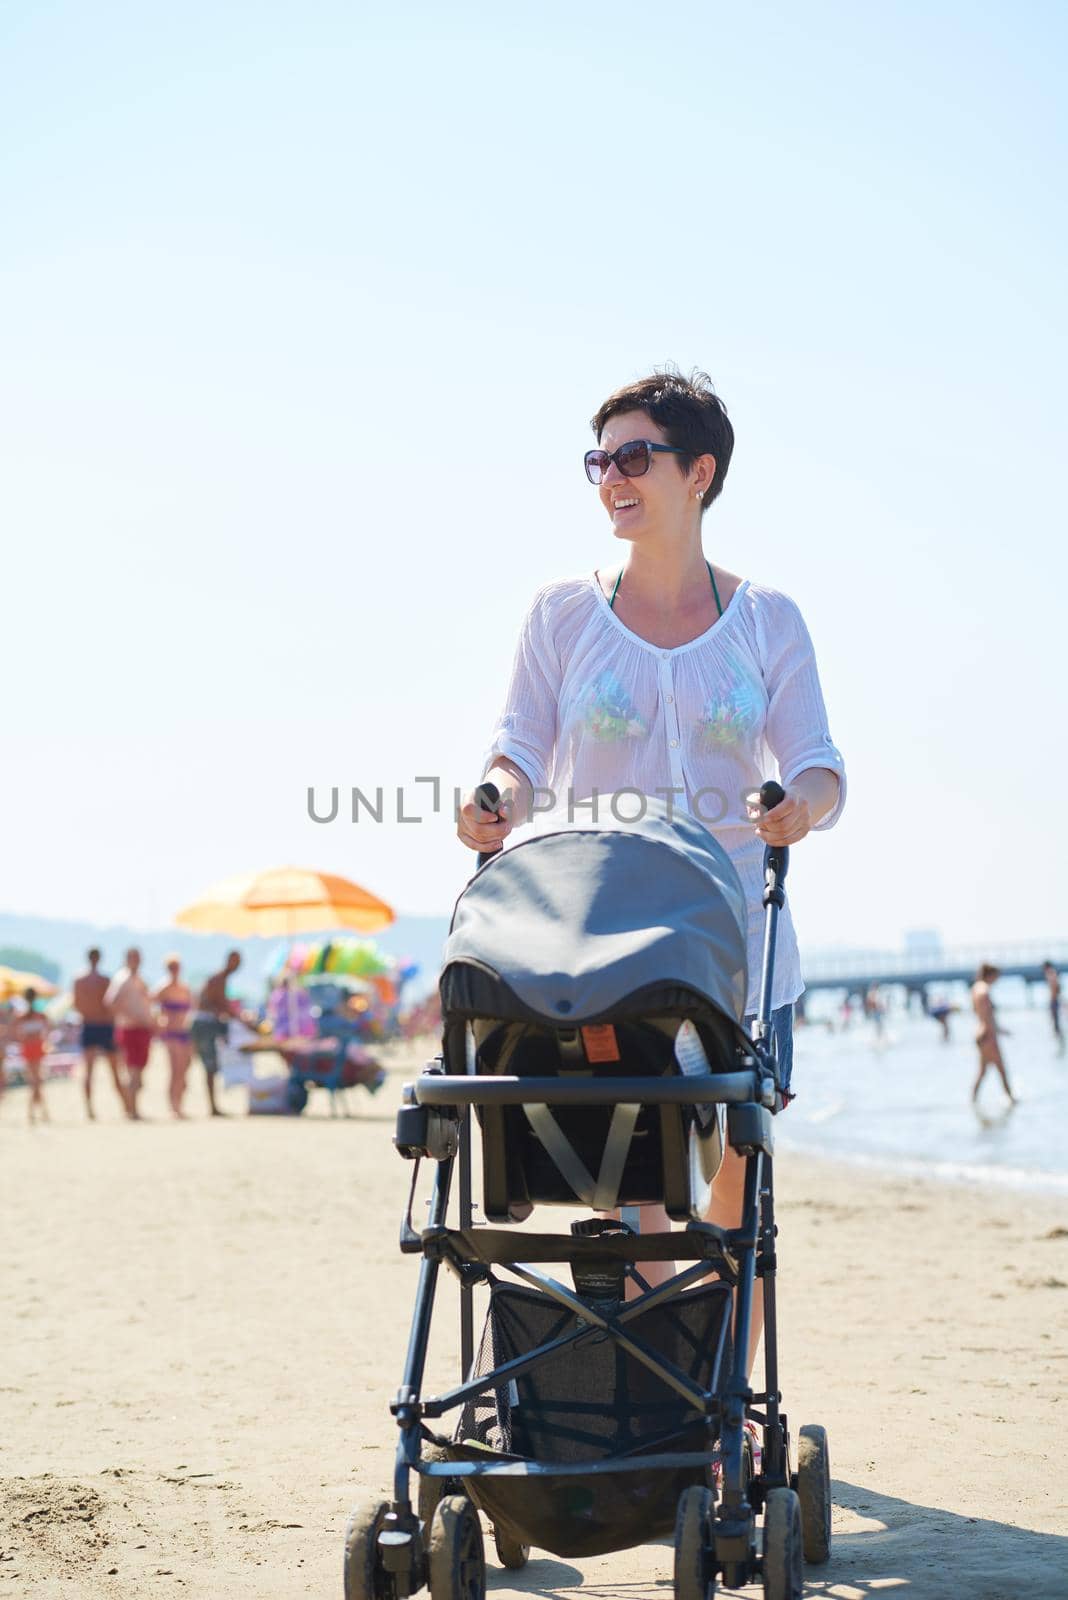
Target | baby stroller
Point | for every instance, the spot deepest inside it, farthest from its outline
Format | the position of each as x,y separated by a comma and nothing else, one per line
593,993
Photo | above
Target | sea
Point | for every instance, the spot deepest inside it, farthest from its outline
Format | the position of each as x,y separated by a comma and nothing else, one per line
900,1098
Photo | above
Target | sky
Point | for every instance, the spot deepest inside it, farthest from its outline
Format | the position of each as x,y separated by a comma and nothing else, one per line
303,314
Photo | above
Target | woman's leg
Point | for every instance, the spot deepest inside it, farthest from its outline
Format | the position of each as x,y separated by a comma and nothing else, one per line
725,1210
37,1099
983,1064
997,1062
179,1053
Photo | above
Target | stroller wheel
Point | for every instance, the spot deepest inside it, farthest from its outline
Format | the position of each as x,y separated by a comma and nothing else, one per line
695,1577
510,1553
363,1575
814,1491
457,1560
432,1491
783,1566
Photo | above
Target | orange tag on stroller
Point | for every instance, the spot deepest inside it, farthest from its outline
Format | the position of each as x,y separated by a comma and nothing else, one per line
600,1043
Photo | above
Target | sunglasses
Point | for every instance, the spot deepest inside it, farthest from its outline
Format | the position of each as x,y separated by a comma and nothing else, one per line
633,459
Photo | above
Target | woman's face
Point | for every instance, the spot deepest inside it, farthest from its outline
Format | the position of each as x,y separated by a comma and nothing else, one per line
661,498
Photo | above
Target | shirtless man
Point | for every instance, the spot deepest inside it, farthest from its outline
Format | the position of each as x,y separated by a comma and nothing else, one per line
1053,980
131,1006
211,1022
98,1029
987,1031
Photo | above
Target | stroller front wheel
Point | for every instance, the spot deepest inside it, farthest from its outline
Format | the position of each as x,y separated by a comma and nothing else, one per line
814,1491
432,1491
457,1558
510,1552
783,1566
695,1576
364,1579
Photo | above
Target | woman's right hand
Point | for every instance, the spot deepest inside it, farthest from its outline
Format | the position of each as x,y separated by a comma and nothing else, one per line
485,831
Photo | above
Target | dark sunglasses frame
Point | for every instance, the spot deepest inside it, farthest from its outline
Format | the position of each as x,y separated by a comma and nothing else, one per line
599,461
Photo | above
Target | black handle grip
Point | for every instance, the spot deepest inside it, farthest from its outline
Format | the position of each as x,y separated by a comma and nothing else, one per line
489,798
772,794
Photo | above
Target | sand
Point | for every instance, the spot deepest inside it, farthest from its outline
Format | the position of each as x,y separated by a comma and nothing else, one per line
202,1325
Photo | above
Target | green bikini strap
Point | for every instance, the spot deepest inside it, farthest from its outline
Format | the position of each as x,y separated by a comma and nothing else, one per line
711,574
715,591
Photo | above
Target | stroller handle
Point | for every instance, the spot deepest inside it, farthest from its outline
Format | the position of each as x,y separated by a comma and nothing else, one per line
489,798
772,794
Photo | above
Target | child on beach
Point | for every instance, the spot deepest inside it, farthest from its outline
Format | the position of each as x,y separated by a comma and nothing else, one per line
31,1031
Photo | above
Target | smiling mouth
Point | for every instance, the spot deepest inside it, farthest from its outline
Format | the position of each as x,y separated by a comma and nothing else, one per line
623,505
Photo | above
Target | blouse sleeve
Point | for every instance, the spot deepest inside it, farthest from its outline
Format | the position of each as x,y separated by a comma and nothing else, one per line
526,728
796,730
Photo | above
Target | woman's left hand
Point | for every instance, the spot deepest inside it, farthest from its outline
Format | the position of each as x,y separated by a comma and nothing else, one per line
787,823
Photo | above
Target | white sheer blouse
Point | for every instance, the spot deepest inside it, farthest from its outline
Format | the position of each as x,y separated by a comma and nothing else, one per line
597,718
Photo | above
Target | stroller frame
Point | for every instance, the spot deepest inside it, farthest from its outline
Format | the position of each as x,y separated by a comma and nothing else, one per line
393,1548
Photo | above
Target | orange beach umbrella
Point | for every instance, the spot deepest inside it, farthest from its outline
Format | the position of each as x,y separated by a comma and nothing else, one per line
13,982
284,901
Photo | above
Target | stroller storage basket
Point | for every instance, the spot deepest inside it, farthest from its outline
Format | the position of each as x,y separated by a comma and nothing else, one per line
591,1402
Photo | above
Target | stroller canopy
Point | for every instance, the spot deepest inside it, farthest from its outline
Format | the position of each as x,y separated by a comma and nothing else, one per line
568,925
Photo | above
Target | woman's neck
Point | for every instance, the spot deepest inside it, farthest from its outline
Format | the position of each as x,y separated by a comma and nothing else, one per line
666,575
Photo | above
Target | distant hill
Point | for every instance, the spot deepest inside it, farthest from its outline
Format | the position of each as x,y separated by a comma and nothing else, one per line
65,943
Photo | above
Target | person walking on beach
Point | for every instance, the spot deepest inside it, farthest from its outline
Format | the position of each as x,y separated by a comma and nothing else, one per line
98,1030
667,673
131,1006
1053,981
174,1001
31,1030
987,1032
211,1023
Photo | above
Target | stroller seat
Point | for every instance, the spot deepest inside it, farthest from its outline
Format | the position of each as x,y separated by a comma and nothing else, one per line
631,963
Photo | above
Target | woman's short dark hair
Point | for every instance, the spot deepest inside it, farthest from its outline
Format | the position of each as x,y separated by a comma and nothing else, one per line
690,412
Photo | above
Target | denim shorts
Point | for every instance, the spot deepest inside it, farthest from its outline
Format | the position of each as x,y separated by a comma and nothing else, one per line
782,1028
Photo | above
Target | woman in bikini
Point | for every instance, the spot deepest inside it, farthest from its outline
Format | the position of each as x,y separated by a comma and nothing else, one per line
174,1001
987,1032
670,675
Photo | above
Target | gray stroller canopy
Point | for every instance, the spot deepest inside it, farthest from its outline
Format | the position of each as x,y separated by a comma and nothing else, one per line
567,925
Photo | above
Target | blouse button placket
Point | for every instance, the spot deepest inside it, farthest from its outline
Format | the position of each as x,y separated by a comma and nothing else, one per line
671,718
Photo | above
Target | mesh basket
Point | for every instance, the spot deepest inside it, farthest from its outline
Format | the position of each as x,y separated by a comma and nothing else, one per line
590,1402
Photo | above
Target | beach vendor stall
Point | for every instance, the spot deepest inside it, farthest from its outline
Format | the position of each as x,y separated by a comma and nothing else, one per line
330,1003
285,901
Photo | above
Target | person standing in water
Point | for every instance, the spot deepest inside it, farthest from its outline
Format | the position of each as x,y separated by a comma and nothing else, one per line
1053,981
987,1033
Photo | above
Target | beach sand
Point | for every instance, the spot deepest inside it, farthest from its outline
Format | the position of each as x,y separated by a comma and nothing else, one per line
202,1325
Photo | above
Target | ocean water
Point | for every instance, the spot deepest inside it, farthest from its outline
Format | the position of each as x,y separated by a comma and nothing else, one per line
904,1100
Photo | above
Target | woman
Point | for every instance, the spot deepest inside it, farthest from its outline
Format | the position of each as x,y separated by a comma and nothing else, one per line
174,1001
987,1032
669,674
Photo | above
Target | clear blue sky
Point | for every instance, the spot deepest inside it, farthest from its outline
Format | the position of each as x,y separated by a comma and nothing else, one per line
304,309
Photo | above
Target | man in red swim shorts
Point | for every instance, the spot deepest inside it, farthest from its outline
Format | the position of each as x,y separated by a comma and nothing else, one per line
131,1006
